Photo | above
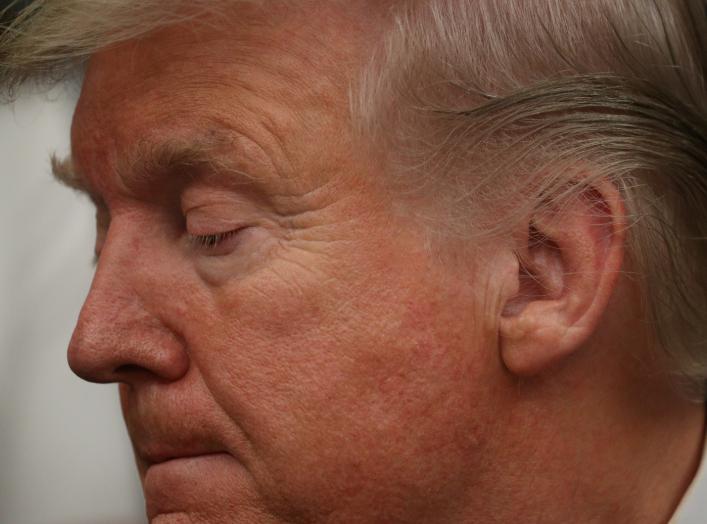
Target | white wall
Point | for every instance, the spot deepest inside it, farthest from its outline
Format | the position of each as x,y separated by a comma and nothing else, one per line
64,454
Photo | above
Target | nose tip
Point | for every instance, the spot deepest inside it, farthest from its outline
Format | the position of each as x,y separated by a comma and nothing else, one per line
83,360
117,340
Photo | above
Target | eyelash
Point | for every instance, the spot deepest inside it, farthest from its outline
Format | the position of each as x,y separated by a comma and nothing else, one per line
209,242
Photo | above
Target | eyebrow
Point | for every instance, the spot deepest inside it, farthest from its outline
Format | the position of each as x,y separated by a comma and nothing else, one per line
63,171
147,164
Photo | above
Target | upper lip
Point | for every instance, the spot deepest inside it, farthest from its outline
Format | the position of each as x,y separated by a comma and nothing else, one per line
159,439
163,426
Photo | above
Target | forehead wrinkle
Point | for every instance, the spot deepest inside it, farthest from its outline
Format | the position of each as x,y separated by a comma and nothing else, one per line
259,139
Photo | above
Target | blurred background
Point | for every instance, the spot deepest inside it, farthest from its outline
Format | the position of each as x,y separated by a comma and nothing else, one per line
64,454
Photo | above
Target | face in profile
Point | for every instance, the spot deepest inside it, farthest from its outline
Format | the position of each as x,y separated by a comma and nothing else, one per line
288,348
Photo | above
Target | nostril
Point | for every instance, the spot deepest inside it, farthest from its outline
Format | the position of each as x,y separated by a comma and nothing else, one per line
129,370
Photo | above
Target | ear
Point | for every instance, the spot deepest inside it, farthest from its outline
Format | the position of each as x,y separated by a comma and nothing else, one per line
568,261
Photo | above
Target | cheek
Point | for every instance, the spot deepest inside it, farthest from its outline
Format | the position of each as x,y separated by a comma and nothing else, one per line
368,382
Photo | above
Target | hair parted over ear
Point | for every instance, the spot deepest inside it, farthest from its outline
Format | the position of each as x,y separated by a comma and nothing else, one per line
569,259
478,102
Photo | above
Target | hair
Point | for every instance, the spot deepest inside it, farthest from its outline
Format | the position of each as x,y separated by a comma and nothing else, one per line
517,107
504,105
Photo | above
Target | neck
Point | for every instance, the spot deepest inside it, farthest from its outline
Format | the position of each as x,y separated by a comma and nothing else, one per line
586,448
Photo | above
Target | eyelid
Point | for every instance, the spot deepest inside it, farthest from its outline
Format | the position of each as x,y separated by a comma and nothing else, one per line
212,220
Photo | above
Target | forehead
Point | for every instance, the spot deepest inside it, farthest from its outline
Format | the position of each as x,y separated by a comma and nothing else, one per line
259,73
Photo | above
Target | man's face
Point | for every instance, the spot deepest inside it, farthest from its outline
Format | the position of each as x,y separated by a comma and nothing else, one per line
289,347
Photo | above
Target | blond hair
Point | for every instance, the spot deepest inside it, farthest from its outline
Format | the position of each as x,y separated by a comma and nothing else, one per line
615,88
515,106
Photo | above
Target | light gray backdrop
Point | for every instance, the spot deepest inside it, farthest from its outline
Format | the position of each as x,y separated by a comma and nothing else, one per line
64,453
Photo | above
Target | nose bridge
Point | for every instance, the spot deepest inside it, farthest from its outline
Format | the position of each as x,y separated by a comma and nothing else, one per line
115,290
120,334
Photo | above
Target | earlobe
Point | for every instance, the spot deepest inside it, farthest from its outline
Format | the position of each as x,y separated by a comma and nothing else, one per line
569,261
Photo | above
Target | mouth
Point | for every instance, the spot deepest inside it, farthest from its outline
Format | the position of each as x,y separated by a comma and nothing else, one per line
160,454
153,459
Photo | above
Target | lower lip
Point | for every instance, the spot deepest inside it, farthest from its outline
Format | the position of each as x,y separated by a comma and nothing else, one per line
170,484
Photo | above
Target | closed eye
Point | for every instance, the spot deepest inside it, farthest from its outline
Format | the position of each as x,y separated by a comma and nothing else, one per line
213,243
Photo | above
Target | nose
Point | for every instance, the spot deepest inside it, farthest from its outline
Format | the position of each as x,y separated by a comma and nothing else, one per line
120,335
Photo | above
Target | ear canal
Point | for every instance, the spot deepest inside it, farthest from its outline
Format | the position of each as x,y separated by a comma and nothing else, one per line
540,272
